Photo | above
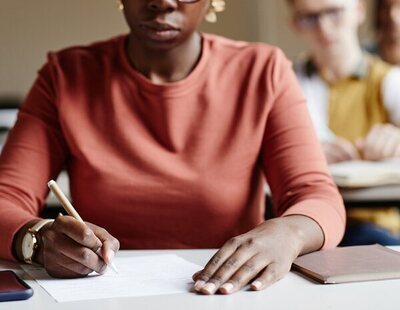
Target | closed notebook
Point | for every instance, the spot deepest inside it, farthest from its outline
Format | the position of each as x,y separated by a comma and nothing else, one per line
350,264
360,173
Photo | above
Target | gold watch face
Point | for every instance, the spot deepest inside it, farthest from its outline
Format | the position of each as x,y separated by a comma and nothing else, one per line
28,245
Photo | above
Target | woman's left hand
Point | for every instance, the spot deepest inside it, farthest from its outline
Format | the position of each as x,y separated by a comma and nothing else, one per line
262,256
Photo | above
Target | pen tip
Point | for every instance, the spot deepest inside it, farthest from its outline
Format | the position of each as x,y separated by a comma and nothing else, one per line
113,267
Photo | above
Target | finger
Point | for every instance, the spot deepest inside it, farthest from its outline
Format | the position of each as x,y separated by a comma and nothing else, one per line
63,273
61,244
216,261
331,154
77,231
335,153
390,146
83,256
108,251
269,276
371,148
379,143
349,150
244,275
60,266
391,140
196,275
110,245
236,261
360,144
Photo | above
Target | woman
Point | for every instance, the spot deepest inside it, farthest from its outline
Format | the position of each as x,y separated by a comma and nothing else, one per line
166,134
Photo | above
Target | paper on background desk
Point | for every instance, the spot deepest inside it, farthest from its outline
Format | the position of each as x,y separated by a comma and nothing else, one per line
138,276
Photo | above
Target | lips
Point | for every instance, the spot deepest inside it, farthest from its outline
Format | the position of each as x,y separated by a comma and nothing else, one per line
159,31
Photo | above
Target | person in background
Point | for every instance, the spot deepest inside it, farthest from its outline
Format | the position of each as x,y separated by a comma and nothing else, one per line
387,27
171,132
353,97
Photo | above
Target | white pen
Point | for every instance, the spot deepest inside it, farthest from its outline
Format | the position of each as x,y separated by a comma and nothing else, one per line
56,190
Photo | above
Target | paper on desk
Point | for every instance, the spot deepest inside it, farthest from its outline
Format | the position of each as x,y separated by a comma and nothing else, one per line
138,276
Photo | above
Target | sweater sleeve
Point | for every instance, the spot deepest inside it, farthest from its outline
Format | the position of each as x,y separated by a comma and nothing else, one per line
293,160
34,152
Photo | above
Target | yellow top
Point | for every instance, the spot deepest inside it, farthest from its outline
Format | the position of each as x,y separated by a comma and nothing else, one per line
356,104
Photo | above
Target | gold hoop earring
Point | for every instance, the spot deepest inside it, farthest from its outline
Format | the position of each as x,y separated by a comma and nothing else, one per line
120,5
216,6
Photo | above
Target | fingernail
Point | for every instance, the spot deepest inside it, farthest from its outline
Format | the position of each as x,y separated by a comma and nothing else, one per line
103,269
110,255
209,288
227,287
198,285
256,284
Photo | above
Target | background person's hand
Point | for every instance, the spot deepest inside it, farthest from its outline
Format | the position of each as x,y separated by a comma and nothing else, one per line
71,249
339,150
262,256
382,142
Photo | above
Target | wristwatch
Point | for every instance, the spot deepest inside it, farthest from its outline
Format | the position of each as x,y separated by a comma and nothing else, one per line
30,241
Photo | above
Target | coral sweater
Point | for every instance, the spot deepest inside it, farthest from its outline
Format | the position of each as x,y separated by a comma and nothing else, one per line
179,165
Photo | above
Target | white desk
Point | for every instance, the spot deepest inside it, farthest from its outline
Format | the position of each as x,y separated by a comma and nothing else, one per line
292,292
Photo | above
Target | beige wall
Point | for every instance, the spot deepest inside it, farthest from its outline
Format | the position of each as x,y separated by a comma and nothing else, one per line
28,29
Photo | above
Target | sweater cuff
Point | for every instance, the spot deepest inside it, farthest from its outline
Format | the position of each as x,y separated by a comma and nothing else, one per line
15,220
331,217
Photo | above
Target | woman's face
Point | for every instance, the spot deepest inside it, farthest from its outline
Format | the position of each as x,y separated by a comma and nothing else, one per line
163,24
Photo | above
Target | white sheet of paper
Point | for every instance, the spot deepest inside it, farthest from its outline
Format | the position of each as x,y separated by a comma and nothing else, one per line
138,276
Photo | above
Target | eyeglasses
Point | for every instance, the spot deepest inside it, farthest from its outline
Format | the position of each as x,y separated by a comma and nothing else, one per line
312,20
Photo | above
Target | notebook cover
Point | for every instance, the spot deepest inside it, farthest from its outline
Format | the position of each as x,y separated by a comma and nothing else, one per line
350,264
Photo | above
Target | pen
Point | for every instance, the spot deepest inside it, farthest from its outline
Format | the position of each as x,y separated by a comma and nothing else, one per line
56,190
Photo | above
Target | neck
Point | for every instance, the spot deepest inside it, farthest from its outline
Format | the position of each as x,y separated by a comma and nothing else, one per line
338,65
165,66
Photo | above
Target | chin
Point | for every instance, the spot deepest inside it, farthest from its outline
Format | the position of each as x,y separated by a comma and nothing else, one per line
160,46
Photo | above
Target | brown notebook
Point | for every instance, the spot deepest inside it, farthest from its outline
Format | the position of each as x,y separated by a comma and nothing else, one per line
350,264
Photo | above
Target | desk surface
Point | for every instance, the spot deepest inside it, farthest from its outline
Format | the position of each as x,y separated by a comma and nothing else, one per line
292,292
384,194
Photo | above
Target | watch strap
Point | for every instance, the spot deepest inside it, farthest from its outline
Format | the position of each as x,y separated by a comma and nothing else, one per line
35,228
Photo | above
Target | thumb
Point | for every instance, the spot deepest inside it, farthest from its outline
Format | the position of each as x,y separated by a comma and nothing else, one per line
110,245
108,251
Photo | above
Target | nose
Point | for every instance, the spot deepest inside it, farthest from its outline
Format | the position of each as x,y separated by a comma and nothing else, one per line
162,5
324,25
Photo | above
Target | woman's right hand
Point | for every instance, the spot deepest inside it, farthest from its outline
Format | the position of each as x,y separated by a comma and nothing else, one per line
71,249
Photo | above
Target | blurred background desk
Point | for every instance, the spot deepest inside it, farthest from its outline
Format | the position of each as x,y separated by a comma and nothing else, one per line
387,195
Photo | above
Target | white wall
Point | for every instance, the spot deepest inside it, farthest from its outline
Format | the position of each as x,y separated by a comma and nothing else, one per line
28,29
